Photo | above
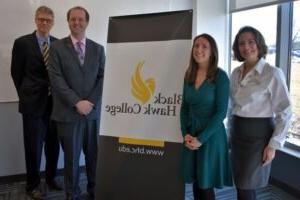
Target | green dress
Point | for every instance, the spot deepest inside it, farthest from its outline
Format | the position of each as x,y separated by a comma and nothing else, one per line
202,113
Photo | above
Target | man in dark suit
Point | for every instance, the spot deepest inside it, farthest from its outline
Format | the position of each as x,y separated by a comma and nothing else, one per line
28,70
76,68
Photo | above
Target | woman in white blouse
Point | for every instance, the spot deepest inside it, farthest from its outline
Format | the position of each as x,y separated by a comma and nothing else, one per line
260,110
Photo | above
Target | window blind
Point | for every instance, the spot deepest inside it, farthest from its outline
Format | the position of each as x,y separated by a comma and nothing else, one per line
239,5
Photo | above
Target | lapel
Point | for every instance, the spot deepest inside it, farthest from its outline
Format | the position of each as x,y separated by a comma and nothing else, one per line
52,39
71,48
35,45
88,53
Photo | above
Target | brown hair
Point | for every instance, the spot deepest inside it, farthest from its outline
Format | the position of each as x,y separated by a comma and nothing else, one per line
191,72
44,9
259,39
87,16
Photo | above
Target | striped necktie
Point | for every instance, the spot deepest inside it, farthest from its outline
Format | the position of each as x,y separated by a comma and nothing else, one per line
46,60
46,53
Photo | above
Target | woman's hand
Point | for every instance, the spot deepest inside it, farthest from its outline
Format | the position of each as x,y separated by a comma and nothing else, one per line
268,155
191,142
187,139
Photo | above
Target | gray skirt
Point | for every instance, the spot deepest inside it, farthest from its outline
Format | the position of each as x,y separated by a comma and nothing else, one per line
249,137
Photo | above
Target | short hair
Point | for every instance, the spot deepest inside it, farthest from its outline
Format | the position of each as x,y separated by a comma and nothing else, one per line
259,39
44,9
191,72
87,16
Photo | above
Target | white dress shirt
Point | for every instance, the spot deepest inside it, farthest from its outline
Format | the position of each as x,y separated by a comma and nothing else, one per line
262,93
82,43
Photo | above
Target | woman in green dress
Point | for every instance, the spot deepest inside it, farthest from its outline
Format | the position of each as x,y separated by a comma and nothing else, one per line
204,107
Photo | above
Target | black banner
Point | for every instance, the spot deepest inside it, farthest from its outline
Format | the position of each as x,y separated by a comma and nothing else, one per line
129,170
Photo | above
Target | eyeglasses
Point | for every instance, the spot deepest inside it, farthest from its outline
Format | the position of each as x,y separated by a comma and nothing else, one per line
47,20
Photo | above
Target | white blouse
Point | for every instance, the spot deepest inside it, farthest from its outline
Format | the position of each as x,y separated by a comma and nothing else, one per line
262,93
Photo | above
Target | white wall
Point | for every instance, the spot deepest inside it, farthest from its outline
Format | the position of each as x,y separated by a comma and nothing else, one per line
18,16
212,18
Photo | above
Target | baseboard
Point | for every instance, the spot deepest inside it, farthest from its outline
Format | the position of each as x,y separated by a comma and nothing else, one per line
22,177
293,191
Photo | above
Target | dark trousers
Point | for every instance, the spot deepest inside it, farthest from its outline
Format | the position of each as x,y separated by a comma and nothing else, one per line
74,137
203,194
39,131
246,194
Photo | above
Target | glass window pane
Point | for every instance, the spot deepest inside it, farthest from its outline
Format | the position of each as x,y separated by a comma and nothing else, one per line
294,131
263,19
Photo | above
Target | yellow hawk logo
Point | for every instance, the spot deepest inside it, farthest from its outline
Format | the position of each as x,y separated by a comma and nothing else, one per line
140,89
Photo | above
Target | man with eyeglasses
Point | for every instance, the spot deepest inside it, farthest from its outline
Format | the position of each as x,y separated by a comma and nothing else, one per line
29,72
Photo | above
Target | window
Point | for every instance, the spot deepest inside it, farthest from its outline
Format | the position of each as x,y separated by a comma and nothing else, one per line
294,131
265,20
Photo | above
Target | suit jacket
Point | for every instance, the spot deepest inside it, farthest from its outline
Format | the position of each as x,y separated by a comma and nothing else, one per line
30,76
72,82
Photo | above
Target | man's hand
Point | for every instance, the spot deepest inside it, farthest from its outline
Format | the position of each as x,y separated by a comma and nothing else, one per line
84,107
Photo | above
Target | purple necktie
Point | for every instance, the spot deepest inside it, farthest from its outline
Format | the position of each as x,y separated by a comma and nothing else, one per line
79,51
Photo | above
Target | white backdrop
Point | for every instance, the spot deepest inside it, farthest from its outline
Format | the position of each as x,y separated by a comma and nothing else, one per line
17,18
165,62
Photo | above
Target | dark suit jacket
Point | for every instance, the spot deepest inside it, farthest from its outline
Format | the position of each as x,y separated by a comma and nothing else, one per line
72,82
30,76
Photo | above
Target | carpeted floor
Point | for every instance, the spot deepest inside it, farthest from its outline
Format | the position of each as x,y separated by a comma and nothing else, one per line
268,193
16,191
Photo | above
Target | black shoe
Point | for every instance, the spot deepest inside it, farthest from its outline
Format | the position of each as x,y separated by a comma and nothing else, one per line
54,185
36,194
87,196
91,196
69,197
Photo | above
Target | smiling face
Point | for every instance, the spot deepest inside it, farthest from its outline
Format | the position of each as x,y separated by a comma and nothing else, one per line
202,51
77,23
247,47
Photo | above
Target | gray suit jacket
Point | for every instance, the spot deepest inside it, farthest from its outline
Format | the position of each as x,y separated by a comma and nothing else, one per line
72,82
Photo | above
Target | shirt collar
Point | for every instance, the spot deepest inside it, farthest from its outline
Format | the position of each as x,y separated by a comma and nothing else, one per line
74,40
259,67
42,39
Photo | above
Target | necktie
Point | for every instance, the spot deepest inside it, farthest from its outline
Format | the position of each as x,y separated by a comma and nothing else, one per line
46,53
46,60
80,53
